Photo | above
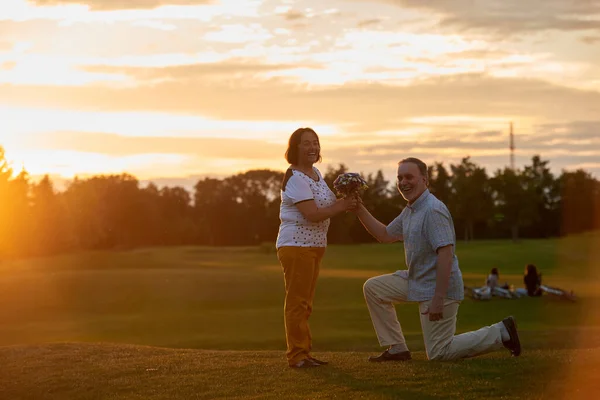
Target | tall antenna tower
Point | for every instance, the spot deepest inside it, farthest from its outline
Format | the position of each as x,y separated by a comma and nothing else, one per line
512,148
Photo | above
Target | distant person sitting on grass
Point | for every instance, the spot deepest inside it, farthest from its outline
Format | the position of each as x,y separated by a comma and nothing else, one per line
492,288
534,288
532,280
433,279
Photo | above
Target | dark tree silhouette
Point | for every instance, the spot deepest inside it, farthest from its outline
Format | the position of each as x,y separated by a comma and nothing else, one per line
114,212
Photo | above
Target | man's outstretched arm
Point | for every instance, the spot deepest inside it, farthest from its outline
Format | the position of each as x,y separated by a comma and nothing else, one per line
377,229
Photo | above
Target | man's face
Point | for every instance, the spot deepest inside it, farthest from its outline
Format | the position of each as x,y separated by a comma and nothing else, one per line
411,183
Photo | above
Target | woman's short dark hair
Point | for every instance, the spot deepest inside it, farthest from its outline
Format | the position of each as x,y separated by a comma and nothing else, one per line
291,154
494,271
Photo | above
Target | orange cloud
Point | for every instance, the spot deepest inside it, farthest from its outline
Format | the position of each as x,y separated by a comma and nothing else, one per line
590,39
365,106
104,5
5,45
191,71
511,16
7,65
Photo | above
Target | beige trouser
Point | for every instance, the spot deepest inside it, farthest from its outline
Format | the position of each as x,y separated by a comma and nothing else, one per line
382,292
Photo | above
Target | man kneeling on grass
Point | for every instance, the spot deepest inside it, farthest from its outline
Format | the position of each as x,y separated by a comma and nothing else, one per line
433,278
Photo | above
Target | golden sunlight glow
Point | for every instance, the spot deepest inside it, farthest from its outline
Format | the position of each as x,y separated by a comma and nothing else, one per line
239,34
176,91
393,56
68,164
58,72
461,119
156,60
22,10
20,121
373,78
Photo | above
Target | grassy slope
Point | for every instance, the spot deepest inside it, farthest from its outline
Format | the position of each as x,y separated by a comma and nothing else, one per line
231,299
92,371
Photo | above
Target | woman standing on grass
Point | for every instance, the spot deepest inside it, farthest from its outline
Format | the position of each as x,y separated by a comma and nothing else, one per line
307,203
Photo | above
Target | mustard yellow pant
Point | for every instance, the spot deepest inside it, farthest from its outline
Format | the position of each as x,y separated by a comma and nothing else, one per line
300,271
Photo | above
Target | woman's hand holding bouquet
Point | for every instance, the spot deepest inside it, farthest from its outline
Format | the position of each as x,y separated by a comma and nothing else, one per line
350,185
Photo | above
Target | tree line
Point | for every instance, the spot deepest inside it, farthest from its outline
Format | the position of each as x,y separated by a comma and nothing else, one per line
116,212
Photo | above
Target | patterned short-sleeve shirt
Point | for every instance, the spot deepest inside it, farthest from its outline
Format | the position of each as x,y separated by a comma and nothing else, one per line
425,226
295,230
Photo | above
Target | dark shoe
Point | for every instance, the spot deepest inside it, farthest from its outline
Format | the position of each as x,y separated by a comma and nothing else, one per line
317,361
306,363
387,356
513,344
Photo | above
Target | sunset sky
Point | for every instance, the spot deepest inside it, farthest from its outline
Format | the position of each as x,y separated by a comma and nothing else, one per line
172,90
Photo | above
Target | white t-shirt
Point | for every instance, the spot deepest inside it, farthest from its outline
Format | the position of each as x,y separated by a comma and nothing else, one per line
295,230
492,281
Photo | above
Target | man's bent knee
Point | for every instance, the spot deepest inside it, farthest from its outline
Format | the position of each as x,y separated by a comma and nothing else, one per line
369,286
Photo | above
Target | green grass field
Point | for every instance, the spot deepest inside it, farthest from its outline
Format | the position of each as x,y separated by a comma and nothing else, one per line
197,322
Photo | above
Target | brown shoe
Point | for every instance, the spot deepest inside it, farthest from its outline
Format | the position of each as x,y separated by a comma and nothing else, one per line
387,356
306,363
320,362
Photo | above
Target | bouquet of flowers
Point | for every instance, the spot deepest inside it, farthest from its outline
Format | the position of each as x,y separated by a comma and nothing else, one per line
349,183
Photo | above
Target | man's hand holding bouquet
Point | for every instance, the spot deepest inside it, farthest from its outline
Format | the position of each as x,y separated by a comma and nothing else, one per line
350,184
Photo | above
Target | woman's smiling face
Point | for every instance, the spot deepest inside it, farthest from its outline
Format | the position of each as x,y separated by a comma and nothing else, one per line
309,148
